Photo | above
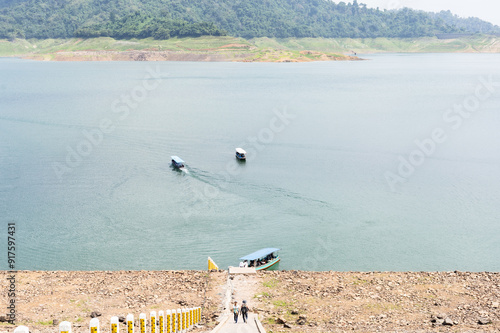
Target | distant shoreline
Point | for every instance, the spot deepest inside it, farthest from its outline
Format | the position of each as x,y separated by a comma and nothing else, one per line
238,49
148,55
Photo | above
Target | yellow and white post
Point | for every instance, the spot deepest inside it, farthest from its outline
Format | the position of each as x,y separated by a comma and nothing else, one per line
191,314
161,321
22,329
94,325
142,322
130,323
168,322
65,327
152,322
114,324
178,320
183,320
174,321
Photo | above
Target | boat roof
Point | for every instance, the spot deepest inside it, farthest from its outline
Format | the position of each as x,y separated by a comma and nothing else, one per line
177,159
259,254
240,150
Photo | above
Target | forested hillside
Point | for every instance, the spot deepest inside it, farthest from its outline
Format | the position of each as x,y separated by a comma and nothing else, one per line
256,18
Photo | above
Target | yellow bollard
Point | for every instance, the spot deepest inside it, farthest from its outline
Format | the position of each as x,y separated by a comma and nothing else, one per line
94,325
183,311
114,324
168,327
65,327
178,320
161,323
190,318
142,322
152,322
174,321
130,323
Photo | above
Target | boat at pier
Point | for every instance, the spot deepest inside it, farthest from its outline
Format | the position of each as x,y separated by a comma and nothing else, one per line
266,258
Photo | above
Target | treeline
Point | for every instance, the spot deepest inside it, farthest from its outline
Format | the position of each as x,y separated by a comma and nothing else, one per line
470,24
140,25
256,18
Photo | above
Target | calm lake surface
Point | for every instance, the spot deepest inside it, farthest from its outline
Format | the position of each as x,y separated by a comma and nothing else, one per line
85,163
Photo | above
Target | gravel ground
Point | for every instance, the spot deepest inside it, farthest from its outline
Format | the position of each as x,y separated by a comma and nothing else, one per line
286,301
296,301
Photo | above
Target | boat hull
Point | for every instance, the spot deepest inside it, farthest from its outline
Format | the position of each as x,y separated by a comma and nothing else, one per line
270,265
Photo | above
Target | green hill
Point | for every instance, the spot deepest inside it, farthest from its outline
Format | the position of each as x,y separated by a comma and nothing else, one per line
258,18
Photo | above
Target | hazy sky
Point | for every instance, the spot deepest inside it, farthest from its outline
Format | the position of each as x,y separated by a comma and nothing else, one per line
488,10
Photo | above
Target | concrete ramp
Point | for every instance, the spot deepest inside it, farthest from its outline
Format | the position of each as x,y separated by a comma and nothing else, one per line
238,270
251,326
242,284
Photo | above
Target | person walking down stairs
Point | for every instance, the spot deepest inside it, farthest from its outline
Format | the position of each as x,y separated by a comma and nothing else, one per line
236,312
244,311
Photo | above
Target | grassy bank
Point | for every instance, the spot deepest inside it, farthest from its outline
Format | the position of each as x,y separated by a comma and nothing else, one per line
236,49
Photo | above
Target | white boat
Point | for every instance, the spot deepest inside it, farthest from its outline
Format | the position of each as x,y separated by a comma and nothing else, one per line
241,154
177,162
267,258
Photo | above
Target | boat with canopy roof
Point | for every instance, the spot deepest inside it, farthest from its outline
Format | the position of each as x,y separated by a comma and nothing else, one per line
266,258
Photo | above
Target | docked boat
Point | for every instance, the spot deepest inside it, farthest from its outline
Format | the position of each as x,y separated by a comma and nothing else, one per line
177,162
267,258
241,154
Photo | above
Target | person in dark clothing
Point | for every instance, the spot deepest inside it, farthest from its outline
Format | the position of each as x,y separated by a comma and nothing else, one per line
244,311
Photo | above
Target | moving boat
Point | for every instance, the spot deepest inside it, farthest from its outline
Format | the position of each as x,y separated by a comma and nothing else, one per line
267,258
241,154
177,162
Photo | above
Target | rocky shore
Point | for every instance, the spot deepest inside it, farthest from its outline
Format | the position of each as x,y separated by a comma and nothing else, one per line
207,56
44,299
286,301
296,301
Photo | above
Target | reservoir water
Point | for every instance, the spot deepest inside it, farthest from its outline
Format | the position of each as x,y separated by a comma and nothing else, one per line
392,163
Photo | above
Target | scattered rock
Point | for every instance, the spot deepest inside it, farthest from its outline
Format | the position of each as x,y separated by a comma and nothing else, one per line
302,320
122,319
484,321
280,320
448,322
294,312
3,319
95,314
495,305
55,322
285,325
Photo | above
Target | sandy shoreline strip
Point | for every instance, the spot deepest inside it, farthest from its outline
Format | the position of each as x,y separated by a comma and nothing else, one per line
286,301
204,56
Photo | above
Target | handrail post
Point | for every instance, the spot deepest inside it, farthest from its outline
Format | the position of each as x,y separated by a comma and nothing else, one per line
130,323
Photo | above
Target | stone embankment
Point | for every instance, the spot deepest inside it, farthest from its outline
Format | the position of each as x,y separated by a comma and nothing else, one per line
44,299
285,301
296,301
